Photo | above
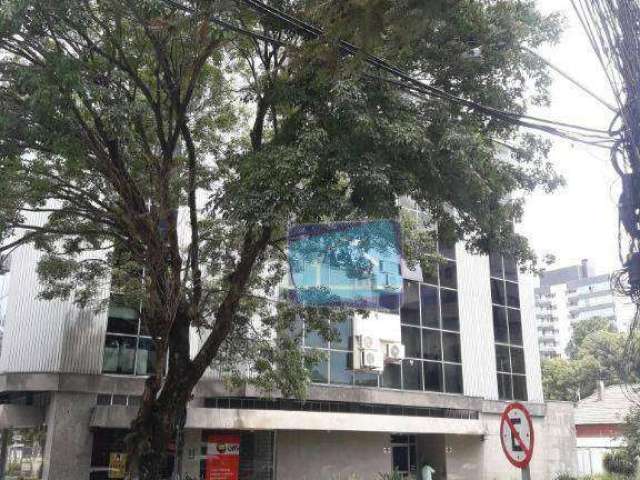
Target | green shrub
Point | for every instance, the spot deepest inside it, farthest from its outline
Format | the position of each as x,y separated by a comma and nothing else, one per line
565,476
619,462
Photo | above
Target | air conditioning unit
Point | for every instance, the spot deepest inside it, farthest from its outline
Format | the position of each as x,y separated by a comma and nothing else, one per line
368,342
371,360
395,352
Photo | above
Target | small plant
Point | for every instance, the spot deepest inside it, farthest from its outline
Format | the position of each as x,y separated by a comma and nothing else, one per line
395,475
566,476
619,462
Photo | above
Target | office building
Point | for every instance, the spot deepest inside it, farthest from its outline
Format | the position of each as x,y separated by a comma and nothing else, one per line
71,380
570,295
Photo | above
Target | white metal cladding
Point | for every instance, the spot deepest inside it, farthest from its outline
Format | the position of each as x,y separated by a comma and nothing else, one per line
476,325
530,338
47,336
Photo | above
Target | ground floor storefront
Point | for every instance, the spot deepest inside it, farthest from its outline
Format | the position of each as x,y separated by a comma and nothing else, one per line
72,429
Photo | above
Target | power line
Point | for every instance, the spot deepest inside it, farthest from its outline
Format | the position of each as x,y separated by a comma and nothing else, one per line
575,132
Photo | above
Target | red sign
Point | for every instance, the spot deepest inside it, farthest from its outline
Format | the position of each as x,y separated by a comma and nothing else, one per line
223,457
516,435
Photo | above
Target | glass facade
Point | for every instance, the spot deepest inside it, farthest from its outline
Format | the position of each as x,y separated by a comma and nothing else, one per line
430,326
507,328
127,350
22,452
403,453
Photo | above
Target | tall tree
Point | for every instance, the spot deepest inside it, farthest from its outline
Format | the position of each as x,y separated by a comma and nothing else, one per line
121,120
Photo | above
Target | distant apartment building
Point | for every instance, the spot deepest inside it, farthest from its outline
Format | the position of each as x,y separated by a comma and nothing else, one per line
570,295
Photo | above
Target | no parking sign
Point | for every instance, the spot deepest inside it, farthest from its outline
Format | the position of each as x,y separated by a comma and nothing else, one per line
517,437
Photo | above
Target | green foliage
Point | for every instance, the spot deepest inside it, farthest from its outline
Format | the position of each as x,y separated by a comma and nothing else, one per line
146,148
596,353
619,462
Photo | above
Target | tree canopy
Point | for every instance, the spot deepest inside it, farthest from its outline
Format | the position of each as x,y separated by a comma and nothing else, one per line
161,151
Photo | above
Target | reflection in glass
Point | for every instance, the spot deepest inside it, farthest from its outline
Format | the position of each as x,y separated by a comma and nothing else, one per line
430,310
513,295
412,375
453,376
319,372
502,359
391,377
119,354
410,310
515,326
433,376
24,453
339,368
411,341
313,339
450,318
451,346
343,340
510,269
504,387
448,276
497,292
517,360
500,332
495,265
145,357
520,387
431,344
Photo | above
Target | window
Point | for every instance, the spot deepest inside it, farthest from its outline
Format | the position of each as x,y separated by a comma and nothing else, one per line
127,350
431,332
336,368
507,329
403,449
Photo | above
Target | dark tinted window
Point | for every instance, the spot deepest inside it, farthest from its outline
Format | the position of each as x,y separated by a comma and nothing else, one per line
344,333
447,250
433,376
453,374
411,341
513,295
500,332
340,367
410,311
497,291
412,375
431,344
517,360
520,387
451,346
504,386
502,359
515,326
495,265
391,377
122,325
448,275
450,318
430,310
510,269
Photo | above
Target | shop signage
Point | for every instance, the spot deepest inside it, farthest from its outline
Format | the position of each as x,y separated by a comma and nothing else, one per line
223,457
516,436
117,465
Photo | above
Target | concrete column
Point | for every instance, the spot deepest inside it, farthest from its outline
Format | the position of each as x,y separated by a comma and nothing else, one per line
67,452
465,459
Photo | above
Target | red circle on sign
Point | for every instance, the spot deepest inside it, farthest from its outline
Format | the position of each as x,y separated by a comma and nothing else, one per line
528,451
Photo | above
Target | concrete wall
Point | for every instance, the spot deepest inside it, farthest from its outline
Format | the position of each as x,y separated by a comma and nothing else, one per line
67,453
331,455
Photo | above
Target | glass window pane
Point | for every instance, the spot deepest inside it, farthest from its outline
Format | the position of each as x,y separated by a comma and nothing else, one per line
453,378
451,346
391,377
517,360
502,359
515,326
520,387
510,269
430,272
122,325
146,357
433,376
411,341
366,379
450,318
401,459
344,332
447,250
313,339
504,386
430,310
410,310
497,291
412,374
432,349
448,276
339,368
495,265
513,295
320,372
119,354
500,332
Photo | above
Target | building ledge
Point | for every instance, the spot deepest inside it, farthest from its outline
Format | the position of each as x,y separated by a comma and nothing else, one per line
21,416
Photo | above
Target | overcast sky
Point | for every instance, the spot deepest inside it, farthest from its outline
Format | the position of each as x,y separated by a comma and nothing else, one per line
581,219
